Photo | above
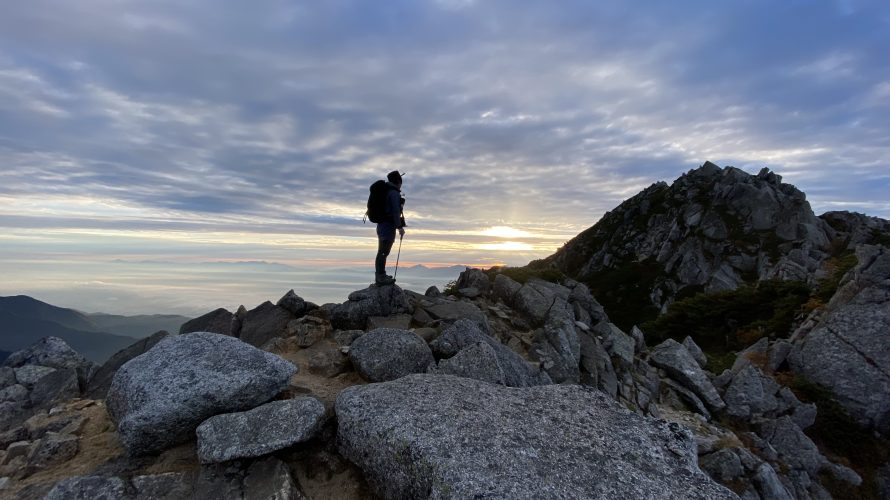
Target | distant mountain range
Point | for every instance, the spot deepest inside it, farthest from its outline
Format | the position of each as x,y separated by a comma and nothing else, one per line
24,320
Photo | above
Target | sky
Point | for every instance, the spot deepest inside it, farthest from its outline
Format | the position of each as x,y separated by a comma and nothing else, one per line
175,157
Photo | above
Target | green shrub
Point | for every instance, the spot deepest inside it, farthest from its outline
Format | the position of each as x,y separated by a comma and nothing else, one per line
450,288
624,290
523,274
722,322
837,267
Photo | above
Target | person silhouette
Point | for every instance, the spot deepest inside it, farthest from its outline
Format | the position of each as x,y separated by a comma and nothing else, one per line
386,230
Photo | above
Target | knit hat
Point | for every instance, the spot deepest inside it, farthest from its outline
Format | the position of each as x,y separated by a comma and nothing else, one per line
395,177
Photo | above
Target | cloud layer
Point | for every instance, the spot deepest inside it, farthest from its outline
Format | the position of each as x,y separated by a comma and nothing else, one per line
257,127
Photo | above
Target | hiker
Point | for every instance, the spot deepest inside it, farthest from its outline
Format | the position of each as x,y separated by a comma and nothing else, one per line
389,220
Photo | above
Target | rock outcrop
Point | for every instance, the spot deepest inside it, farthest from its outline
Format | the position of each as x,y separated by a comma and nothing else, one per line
465,334
363,304
260,431
846,348
157,399
426,436
387,354
216,321
712,229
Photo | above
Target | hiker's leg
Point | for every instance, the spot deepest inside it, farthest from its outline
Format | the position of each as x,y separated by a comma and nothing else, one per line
384,246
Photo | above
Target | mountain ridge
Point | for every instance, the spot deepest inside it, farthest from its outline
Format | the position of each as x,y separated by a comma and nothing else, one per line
711,229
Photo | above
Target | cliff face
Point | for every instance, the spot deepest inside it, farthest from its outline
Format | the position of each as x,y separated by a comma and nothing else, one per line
712,229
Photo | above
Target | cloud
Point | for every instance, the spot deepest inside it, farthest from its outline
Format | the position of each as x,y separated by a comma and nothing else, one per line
274,117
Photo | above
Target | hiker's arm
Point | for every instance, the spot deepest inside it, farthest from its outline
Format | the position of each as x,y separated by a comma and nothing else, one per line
395,208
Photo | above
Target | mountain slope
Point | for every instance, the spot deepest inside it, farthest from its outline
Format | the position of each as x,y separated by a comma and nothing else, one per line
136,326
18,332
28,307
712,229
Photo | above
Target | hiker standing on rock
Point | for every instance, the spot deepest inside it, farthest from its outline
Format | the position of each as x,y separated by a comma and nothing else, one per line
385,208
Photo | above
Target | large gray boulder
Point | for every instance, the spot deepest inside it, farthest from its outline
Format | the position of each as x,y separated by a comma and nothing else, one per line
259,431
751,393
372,301
295,304
450,311
536,297
387,354
52,352
795,449
101,379
504,289
557,347
465,333
847,350
216,321
673,358
428,436
474,278
478,361
157,399
264,323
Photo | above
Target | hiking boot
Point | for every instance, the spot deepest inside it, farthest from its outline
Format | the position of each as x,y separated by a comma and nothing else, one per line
384,279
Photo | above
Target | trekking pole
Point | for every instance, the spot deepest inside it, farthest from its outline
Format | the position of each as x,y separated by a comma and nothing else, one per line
396,273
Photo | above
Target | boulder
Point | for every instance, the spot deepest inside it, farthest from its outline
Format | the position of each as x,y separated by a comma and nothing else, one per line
673,358
52,352
7,376
327,361
848,351
616,342
429,436
264,323
582,300
307,330
478,361
88,488
216,321
451,311
769,485
465,333
53,449
375,300
639,339
432,291
168,485
29,375
56,387
101,379
793,446
16,393
157,399
474,278
294,304
504,289
723,465
397,321
387,354
535,299
697,354
751,393
260,431
596,365
557,348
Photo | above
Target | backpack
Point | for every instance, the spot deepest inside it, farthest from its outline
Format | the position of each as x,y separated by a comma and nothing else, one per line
377,202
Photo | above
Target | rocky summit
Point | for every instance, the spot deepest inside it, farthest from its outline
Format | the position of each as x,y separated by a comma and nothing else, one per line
638,361
711,229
